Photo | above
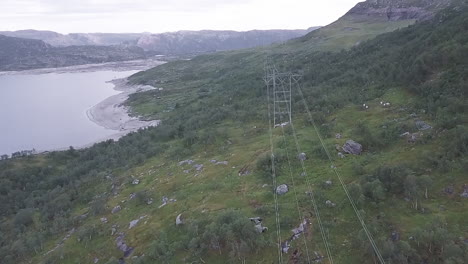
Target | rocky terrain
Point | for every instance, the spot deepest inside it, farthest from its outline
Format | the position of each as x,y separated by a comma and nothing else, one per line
395,10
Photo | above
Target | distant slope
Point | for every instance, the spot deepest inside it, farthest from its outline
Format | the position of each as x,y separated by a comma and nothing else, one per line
367,20
23,54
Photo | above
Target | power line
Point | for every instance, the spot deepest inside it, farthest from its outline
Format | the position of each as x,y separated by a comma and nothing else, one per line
273,175
286,100
312,196
294,190
358,214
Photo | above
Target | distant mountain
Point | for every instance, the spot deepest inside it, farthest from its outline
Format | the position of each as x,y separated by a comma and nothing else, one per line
184,42
24,54
174,43
77,39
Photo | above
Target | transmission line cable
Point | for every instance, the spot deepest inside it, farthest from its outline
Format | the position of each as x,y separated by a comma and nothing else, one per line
358,214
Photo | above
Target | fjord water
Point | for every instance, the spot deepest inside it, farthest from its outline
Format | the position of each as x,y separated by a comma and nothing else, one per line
48,111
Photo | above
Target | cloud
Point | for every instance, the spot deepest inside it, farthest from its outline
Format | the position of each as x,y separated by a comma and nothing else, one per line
167,15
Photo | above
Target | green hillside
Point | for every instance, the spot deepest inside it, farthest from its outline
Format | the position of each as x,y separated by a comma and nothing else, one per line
57,207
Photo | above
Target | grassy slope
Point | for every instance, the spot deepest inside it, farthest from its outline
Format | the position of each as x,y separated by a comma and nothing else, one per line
218,187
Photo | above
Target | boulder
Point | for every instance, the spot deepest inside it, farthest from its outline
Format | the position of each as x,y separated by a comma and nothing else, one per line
122,246
299,230
464,194
338,136
198,167
179,220
116,209
136,181
104,220
302,156
421,125
282,189
328,183
352,147
133,223
330,203
341,155
189,162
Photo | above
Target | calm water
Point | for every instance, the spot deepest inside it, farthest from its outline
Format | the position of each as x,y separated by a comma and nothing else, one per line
48,111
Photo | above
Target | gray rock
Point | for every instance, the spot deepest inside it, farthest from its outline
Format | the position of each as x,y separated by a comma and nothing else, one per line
395,236
341,155
213,161
330,203
421,125
338,136
222,163
464,194
132,196
104,220
352,147
113,230
116,209
285,246
299,230
405,134
136,181
133,223
198,167
179,220
96,260
186,171
282,189
189,162
302,156
328,183
303,174
149,201
122,246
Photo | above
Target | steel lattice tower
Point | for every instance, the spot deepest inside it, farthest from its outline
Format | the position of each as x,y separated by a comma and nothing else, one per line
279,88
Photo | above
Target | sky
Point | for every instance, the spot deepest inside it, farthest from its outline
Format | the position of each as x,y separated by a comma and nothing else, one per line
156,16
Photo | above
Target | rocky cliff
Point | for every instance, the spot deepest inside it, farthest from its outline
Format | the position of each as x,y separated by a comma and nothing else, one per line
394,10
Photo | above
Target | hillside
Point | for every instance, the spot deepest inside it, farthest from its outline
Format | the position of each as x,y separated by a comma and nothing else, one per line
183,192
24,54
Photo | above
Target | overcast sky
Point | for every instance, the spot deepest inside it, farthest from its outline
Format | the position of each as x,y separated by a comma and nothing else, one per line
157,16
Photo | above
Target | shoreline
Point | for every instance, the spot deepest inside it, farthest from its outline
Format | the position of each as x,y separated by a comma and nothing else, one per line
139,65
112,115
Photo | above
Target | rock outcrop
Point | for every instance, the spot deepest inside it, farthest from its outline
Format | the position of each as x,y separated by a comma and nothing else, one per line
352,147
395,10
282,189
